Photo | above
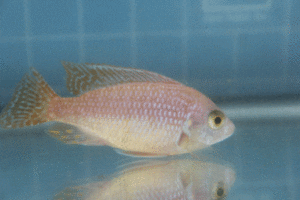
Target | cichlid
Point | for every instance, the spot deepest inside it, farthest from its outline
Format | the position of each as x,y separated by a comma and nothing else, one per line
176,179
138,112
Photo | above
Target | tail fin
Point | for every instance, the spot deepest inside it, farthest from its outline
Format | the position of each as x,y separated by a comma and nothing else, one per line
29,103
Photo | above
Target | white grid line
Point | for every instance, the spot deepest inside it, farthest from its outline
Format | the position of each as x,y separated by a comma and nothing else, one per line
28,32
289,165
80,31
289,170
286,33
133,49
235,55
237,140
172,33
36,175
27,20
184,44
256,111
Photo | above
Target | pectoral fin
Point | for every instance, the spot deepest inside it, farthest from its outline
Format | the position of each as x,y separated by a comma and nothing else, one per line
185,178
71,134
183,140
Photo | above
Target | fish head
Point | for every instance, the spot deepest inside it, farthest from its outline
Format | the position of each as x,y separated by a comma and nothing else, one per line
206,125
204,180
214,185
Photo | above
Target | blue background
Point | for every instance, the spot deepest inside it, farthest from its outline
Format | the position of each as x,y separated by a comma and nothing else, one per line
230,50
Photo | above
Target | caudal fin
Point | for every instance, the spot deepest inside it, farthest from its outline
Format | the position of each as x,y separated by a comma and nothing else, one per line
29,103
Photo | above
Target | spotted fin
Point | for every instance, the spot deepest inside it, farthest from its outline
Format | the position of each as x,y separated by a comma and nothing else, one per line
71,134
29,104
71,193
82,78
138,154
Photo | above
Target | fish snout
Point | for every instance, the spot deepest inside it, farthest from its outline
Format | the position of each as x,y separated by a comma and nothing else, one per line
209,136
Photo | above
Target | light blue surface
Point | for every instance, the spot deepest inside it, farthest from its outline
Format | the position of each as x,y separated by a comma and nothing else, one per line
226,49
263,154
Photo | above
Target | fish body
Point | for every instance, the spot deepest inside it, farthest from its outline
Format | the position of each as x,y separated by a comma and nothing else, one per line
176,179
139,112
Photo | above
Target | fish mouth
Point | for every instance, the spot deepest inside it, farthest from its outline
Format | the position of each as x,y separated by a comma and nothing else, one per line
230,176
209,139
230,128
227,131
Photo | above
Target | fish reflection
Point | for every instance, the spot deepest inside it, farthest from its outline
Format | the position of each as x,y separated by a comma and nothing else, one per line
175,179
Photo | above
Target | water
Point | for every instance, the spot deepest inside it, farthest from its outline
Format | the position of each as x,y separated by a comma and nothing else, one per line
242,54
263,153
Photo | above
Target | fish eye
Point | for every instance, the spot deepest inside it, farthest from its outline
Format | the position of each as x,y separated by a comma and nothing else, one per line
215,119
219,192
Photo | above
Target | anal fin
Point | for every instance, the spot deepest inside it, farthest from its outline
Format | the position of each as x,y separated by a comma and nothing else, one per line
71,134
71,193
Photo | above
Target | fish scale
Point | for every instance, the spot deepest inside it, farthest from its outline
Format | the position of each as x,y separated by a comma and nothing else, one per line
138,104
62,108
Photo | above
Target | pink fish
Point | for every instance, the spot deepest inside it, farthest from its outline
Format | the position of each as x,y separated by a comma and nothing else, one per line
138,112
176,179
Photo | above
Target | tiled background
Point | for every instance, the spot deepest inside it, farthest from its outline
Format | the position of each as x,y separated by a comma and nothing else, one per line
224,48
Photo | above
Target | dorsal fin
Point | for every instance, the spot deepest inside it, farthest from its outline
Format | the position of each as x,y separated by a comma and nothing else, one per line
82,78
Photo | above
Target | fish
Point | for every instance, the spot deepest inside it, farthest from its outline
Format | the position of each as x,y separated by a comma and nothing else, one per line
137,112
174,179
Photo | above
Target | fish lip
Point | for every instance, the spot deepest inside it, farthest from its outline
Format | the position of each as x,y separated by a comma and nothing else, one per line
230,176
230,127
